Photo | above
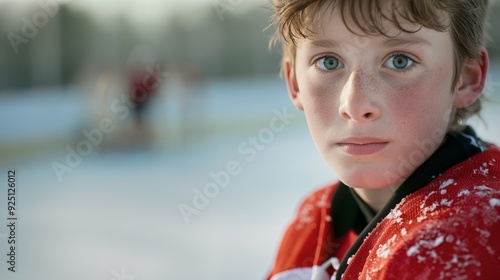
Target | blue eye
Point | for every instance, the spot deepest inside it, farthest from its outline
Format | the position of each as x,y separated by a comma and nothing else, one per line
399,62
328,63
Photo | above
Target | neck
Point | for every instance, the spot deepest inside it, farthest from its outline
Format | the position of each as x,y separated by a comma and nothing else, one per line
377,198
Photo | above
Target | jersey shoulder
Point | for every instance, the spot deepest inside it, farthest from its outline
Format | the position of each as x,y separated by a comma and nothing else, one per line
445,230
306,236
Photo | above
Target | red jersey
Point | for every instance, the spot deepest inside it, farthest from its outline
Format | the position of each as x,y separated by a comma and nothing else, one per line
447,229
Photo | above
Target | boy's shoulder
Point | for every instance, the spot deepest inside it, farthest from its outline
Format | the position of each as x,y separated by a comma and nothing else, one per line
469,190
462,201
307,240
474,180
318,198
314,208
447,229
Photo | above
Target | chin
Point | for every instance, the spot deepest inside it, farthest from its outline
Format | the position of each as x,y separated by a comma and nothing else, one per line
364,184
373,179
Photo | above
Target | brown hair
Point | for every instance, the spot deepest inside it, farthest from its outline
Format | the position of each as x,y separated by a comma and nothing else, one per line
464,18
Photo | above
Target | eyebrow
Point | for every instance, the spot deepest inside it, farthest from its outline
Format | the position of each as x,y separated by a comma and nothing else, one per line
390,42
325,43
399,42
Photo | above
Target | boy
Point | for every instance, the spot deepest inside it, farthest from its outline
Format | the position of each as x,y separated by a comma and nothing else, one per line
386,87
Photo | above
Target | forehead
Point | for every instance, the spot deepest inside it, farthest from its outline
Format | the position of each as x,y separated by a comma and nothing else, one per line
331,29
367,17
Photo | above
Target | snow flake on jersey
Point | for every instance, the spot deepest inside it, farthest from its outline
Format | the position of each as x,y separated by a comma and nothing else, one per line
483,169
446,183
483,190
438,200
383,250
308,212
494,202
431,203
456,266
427,244
305,216
442,190
396,215
427,248
463,192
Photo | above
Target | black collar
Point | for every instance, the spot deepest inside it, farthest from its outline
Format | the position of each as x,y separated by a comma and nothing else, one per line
348,211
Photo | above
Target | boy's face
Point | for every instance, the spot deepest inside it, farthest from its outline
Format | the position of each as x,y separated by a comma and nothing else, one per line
377,107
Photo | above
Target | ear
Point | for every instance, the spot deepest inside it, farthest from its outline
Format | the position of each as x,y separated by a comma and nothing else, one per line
472,80
292,85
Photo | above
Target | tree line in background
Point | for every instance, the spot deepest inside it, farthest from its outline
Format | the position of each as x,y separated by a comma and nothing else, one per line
233,45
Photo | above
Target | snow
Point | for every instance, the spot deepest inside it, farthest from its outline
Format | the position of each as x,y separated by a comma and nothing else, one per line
446,202
449,238
463,192
483,188
395,215
446,183
422,204
383,251
413,251
483,170
120,208
438,241
421,218
427,244
494,202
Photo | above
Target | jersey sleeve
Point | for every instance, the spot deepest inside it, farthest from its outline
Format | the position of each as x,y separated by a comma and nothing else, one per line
307,241
459,243
433,254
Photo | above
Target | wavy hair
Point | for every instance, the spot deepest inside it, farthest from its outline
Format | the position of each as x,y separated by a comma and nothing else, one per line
464,19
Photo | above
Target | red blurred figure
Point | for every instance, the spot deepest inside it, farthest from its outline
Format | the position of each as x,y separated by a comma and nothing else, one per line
144,82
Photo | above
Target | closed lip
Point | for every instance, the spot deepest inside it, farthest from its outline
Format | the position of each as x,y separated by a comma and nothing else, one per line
362,146
362,141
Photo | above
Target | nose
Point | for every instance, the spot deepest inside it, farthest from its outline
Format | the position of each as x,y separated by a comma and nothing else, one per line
357,98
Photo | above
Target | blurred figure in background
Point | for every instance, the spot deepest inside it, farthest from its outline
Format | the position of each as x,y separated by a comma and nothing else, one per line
121,94
143,82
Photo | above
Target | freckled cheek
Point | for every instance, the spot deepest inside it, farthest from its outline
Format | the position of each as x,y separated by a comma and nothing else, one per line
420,100
320,101
405,101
